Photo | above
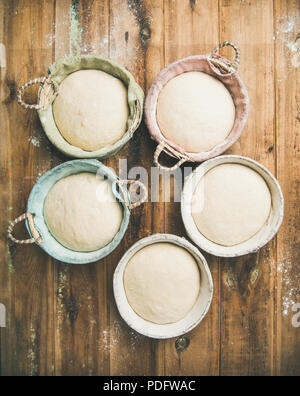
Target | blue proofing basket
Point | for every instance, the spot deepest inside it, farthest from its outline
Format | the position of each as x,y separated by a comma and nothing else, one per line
35,206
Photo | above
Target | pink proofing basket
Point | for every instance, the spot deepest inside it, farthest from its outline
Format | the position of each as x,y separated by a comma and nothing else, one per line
216,66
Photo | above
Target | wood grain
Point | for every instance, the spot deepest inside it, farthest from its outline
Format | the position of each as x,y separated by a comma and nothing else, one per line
81,322
130,353
29,273
189,31
61,319
287,78
248,285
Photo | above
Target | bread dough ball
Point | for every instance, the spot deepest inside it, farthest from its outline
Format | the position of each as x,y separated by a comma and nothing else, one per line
195,111
162,283
231,203
91,109
82,213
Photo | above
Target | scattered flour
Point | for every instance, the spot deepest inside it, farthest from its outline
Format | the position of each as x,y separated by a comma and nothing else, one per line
39,175
31,356
290,283
288,28
75,30
288,25
63,280
121,49
114,336
34,140
49,40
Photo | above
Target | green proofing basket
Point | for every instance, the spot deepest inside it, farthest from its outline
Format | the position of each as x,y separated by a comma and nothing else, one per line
49,89
34,216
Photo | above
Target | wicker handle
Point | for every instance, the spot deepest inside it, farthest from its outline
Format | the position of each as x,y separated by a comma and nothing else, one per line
159,150
39,80
236,61
36,236
131,182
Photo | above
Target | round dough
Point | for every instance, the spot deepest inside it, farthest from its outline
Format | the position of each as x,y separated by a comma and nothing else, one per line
195,111
231,203
162,283
82,213
91,109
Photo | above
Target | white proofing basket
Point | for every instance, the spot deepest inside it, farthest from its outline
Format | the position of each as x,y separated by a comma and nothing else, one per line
191,320
260,239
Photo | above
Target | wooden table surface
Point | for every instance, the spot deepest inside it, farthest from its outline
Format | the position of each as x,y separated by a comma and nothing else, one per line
62,319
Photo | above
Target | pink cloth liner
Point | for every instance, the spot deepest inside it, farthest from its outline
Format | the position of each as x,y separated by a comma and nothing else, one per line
233,83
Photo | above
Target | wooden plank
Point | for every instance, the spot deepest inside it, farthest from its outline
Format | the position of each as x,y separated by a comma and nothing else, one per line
26,270
81,341
287,77
247,294
130,28
154,62
191,27
5,193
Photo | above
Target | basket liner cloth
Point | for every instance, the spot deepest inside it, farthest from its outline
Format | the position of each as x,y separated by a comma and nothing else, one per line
59,70
201,63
